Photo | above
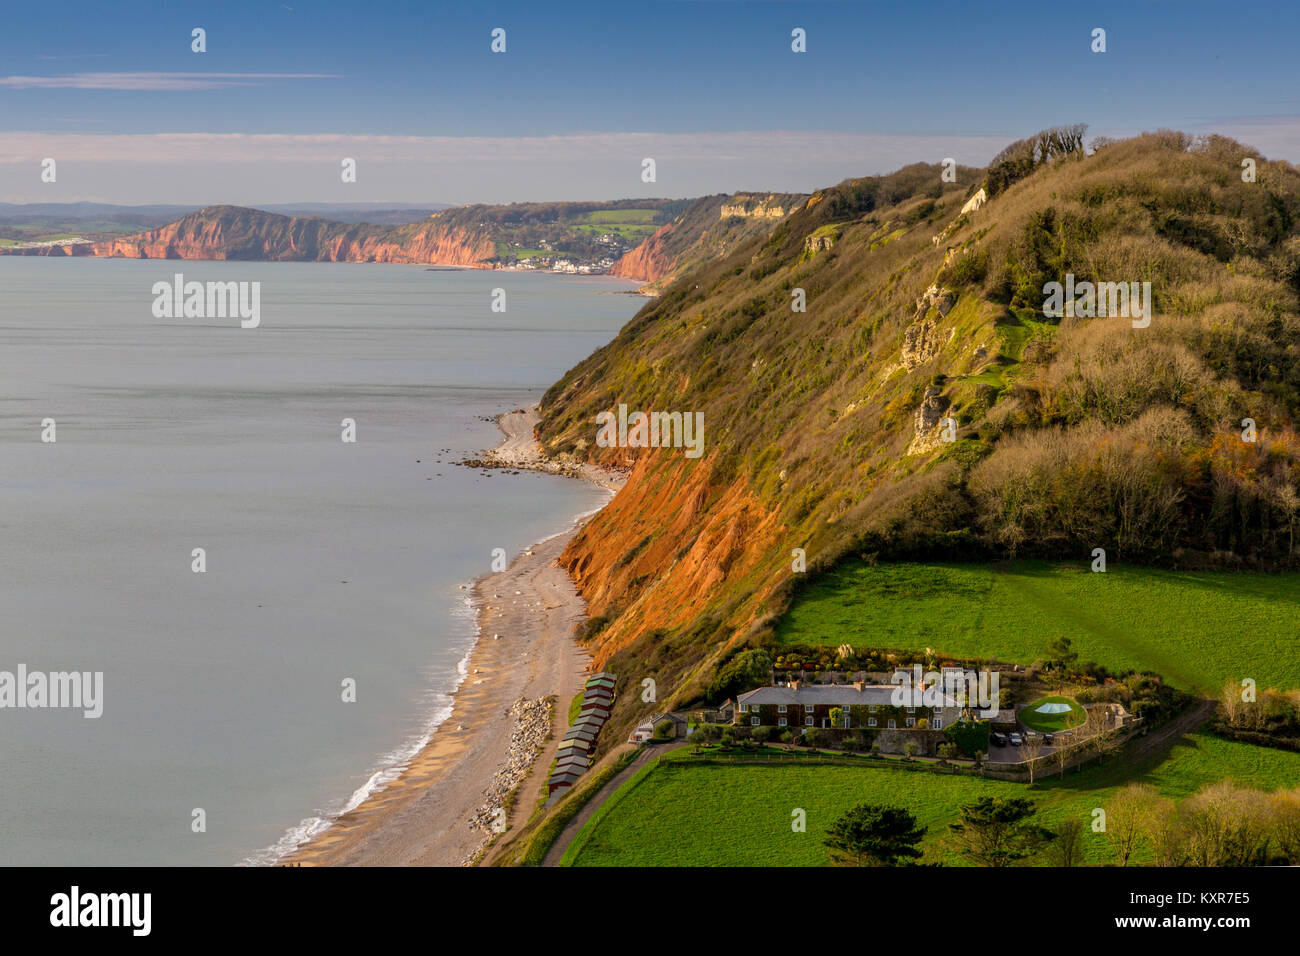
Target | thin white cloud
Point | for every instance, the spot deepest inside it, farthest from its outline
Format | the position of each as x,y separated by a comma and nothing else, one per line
150,81
248,169
870,150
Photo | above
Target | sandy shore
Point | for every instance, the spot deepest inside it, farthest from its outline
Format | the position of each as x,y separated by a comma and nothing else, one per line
525,650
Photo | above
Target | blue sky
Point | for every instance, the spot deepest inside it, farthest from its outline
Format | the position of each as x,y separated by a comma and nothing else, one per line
585,90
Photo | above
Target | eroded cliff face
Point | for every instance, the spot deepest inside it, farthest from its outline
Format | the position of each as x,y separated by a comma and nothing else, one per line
658,552
648,262
431,246
297,240
228,232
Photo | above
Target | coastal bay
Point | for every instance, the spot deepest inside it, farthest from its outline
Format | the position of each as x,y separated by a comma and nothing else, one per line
325,561
525,649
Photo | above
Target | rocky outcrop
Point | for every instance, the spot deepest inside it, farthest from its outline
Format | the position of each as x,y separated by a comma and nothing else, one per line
925,424
814,244
921,338
975,201
920,343
236,233
941,300
648,262
747,206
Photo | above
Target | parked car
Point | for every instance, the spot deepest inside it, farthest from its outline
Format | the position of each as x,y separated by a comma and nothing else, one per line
1047,739
1016,739
999,739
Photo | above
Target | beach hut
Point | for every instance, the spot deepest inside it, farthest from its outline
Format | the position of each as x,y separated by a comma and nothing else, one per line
596,695
561,781
599,711
605,681
575,761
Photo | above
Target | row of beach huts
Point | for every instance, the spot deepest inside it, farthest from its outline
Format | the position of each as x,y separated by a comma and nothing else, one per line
579,741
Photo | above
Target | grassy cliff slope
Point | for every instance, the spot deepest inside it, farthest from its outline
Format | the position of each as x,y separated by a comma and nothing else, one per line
824,429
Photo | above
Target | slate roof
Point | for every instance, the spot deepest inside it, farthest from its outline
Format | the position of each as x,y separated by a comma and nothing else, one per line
830,695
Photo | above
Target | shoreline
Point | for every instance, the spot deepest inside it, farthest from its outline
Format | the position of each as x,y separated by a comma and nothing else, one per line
492,738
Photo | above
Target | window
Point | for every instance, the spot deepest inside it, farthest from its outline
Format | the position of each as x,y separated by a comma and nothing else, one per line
780,708
892,723
871,721
911,721
807,708
753,721
742,707
782,721
873,708
911,710
937,724
807,721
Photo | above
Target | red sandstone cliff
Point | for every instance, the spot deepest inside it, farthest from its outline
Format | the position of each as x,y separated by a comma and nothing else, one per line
231,232
648,262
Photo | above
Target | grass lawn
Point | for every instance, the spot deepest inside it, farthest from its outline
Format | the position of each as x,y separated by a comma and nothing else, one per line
1196,628
1051,723
621,215
685,811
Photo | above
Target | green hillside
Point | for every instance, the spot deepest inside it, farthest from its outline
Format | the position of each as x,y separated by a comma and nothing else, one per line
1198,629
825,428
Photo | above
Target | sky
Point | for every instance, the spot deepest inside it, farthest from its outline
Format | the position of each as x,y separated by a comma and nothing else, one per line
584,92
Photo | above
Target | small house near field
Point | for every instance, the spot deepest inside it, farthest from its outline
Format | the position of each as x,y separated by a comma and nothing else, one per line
646,729
841,706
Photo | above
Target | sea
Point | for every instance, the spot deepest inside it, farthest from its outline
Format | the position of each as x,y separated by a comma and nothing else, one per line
278,616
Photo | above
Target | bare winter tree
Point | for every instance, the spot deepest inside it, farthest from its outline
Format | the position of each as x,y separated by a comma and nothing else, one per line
1032,750
1067,847
1127,817
1166,832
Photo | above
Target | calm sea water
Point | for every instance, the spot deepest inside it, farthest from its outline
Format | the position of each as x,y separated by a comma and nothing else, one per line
325,560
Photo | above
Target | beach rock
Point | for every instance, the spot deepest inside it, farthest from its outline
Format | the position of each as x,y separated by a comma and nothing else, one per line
532,727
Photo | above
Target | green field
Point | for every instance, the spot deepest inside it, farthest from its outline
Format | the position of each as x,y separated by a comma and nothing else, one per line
611,216
1051,723
627,223
506,251
1196,628
685,811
